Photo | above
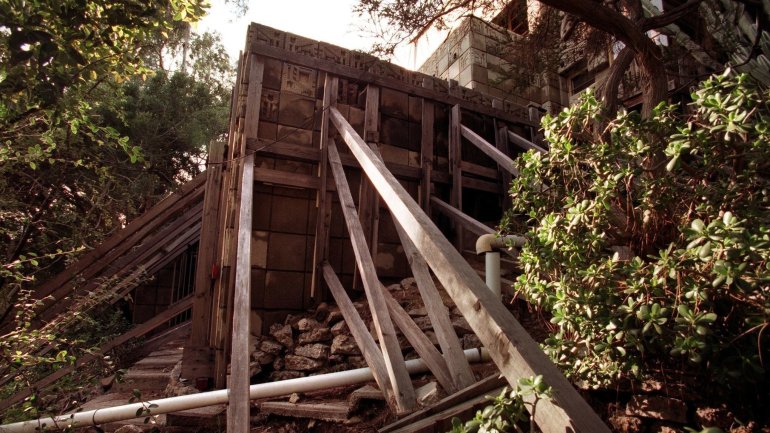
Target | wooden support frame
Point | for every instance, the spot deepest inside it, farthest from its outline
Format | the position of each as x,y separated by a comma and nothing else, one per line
462,375
403,391
426,148
514,352
360,332
323,202
456,169
501,142
503,161
368,200
209,239
523,143
238,396
137,331
420,342
471,224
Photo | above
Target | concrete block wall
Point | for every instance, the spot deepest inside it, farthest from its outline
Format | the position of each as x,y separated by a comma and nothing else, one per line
472,56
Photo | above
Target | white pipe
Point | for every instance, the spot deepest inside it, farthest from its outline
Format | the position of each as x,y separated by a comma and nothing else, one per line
492,272
193,401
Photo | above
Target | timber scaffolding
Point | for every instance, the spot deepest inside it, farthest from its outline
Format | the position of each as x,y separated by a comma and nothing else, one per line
279,228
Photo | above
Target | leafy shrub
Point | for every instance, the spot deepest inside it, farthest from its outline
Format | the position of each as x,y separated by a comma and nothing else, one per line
649,239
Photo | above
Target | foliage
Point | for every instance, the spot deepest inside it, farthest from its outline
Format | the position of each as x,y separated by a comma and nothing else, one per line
509,411
682,202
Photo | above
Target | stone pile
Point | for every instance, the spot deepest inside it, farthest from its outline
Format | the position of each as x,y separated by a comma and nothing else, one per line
319,341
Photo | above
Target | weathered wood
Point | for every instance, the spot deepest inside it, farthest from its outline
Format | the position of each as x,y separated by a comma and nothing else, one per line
460,370
426,149
253,99
456,169
502,160
238,396
386,333
323,205
439,422
501,142
482,387
359,331
514,352
335,412
471,224
523,143
359,75
420,342
137,331
282,178
368,201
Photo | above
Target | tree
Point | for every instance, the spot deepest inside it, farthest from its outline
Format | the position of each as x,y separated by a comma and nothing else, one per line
628,22
60,63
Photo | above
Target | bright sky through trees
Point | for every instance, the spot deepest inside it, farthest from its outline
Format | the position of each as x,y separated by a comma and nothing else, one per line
330,21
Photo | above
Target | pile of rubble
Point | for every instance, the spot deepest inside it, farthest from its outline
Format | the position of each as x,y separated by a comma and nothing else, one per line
320,340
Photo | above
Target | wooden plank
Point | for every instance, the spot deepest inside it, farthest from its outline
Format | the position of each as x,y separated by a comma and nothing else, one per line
420,342
360,332
523,143
502,160
323,205
514,352
436,422
501,142
456,169
462,376
426,148
335,412
359,75
155,215
368,201
253,99
482,387
479,170
238,395
386,333
481,185
137,331
284,178
471,224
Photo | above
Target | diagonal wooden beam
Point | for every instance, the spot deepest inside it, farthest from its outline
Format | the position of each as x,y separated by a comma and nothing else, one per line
503,161
523,143
403,390
359,331
514,352
471,224
462,376
420,342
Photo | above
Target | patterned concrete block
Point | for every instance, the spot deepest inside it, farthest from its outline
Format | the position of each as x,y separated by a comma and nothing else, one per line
268,107
301,45
272,76
394,103
333,53
288,250
394,132
299,80
267,35
362,61
298,136
284,289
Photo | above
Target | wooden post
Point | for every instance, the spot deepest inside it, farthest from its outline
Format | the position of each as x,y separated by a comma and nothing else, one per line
462,376
368,200
386,333
455,169
501,143
323,203
426,148
514,352
195,358
238,396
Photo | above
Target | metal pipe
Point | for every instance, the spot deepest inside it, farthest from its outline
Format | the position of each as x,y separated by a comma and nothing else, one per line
492,242
492,271
193,401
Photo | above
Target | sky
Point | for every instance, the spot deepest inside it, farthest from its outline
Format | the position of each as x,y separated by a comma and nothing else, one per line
331,21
